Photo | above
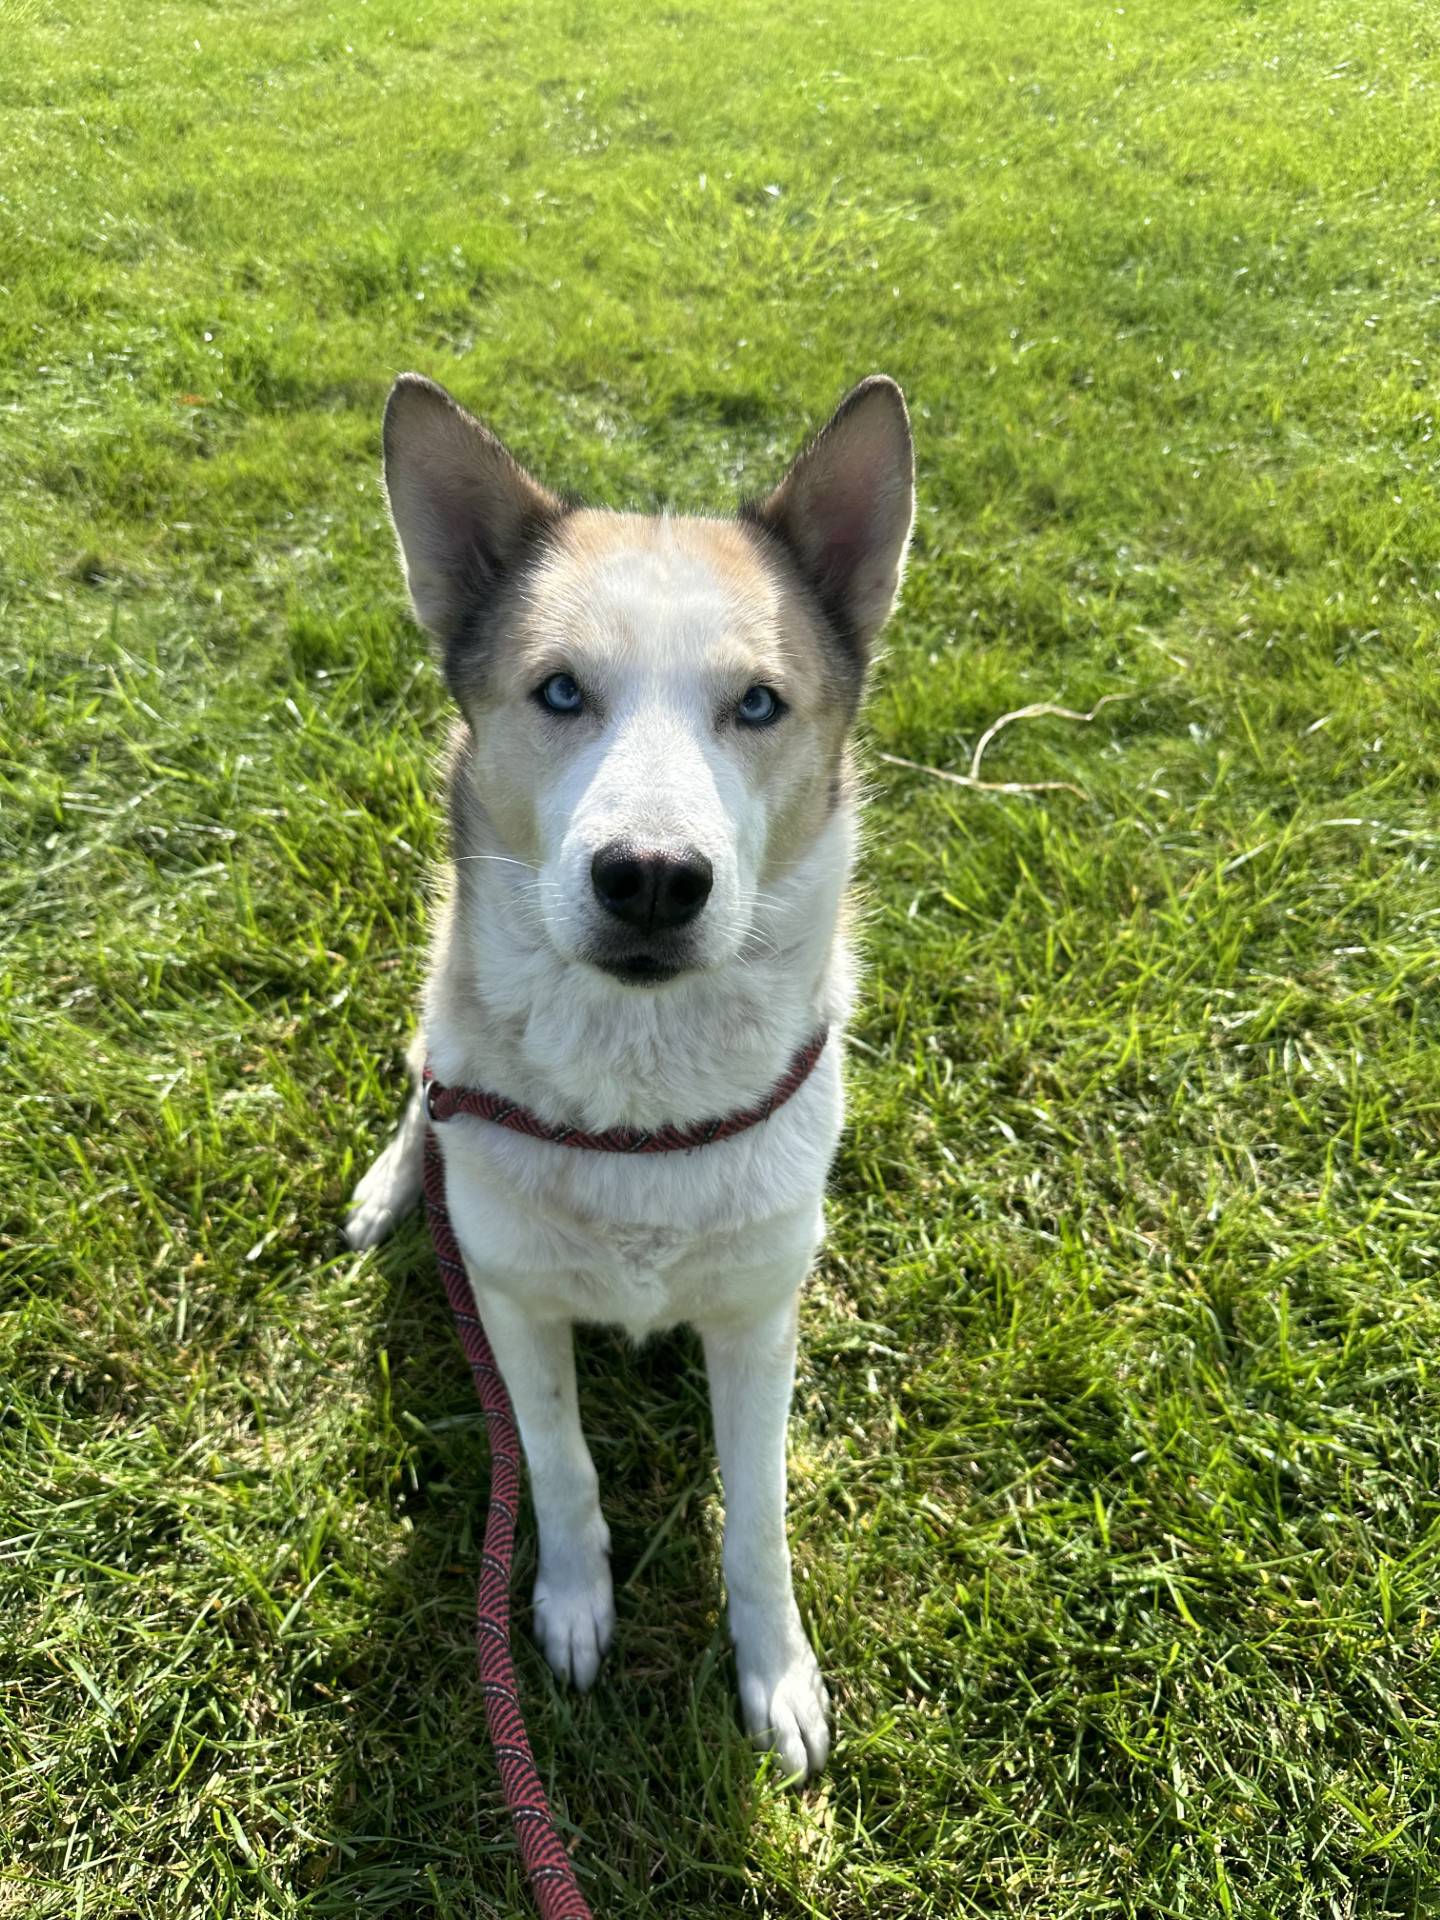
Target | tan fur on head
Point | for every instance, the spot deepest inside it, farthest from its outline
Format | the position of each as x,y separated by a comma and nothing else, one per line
663,625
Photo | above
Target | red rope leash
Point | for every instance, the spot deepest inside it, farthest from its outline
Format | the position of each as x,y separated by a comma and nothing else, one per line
552,1877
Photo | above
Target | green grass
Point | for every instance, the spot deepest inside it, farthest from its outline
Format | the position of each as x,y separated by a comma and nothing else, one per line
1117,1441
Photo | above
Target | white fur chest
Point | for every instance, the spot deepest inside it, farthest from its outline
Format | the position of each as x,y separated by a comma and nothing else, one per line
647,1242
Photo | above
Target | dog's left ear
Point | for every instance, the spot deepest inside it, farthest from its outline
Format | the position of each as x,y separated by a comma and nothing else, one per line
845,508
463,506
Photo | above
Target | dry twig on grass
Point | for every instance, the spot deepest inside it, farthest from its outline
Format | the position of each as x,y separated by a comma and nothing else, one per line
1040,710
984,786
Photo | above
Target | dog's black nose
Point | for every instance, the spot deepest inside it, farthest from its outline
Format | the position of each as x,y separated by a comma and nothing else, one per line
651,892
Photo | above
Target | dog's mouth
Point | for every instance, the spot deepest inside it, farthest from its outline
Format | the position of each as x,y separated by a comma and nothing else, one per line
639,969
640,957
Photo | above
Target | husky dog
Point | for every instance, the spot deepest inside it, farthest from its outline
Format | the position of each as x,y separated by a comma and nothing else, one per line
652,827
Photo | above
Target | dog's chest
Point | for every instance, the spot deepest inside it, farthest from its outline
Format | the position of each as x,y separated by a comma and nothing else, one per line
639,1277
684,1237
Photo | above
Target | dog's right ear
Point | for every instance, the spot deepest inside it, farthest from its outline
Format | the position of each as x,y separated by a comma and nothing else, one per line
464,509
845,508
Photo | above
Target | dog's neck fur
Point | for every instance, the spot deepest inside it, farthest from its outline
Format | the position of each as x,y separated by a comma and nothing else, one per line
505,1012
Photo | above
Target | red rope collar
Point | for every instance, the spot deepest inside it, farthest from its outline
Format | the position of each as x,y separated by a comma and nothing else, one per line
443,1103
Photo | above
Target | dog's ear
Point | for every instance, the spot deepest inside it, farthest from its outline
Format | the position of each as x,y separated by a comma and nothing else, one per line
464,509
845,508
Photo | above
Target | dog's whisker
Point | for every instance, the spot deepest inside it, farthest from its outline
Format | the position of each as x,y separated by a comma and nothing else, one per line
506,859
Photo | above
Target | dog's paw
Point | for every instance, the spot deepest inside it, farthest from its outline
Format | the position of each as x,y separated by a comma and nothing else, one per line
369,1224
386,1193
574,1620
784,1702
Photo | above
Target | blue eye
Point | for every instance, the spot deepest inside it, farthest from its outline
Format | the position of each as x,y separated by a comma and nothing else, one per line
560,694
759,708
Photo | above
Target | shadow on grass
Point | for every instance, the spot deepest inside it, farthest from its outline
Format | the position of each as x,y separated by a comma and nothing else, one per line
648,1776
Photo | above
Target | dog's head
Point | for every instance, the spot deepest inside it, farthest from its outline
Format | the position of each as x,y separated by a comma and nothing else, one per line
658,706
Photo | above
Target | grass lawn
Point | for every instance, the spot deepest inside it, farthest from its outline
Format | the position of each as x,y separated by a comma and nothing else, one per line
1117,1441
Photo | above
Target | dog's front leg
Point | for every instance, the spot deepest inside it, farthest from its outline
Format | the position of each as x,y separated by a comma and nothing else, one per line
574,1599
782,1696
391,1186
